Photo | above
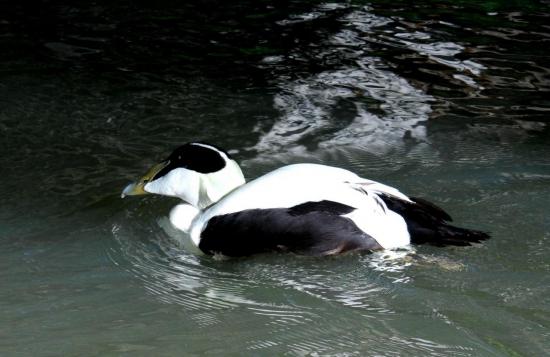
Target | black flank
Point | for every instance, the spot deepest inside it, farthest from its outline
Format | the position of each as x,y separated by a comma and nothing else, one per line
428,223
312,228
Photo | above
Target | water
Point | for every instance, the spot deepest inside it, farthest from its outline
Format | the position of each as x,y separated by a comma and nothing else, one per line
445,100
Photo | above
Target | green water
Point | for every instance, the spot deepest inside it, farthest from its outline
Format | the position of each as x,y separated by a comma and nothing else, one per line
445,100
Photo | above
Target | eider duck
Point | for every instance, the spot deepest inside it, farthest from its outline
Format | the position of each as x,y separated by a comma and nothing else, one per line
307,209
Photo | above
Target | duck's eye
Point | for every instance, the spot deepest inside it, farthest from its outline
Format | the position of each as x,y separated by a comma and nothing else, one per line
145,181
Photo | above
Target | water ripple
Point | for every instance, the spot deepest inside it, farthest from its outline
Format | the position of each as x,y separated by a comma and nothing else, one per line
385,109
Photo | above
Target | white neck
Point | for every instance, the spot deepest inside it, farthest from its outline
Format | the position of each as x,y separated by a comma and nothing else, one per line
215,185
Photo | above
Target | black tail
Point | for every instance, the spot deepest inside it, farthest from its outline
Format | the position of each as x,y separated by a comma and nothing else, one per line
428,223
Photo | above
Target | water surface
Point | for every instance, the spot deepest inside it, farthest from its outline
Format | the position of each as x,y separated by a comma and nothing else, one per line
445,100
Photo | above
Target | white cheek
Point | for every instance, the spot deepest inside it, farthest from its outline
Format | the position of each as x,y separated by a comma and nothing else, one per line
158,187
179,182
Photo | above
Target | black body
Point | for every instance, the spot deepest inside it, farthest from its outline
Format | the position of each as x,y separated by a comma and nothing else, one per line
312,228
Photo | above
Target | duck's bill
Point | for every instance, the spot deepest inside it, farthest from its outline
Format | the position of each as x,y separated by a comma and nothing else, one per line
138,188
133,189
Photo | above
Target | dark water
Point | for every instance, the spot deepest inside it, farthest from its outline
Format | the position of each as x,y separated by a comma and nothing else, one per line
444,99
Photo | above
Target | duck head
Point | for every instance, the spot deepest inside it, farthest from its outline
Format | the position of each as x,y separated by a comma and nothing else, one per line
198,173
